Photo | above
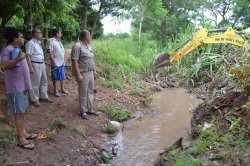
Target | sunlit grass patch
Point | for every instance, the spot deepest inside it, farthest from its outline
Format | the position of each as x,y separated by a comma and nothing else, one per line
118,114
80,130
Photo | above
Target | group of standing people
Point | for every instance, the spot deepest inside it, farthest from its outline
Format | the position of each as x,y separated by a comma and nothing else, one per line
25,75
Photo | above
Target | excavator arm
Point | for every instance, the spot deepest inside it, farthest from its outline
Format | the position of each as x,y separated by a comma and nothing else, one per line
201,37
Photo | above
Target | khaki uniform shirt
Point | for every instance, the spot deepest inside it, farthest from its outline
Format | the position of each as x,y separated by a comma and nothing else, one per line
84,55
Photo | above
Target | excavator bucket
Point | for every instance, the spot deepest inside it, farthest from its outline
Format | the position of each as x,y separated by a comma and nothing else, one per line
160,60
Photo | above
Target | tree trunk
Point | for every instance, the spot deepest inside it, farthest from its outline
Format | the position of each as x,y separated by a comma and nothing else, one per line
46,34
46,22
140,29
28,18
85,19
96,20
85,14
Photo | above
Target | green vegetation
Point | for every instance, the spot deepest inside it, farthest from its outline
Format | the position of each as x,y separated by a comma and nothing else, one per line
3,103
124,60
115,84
6,138
112,129
121,64
58,123
116,113
219,143
80,130
148,100
7,119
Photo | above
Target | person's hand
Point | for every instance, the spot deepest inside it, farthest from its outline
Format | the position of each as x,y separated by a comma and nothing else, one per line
1,68
95,74
79,78
32,70
21,56
53,67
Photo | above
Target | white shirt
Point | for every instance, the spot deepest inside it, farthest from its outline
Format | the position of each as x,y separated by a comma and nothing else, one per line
57,50
35,50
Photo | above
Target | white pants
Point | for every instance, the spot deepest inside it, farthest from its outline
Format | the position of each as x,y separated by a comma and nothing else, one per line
86,92
39,83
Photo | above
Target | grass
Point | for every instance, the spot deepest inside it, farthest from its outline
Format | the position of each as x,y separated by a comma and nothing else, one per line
115,84
3,103
116,113
80,130
221,144
58,123
148,100
112,129
6,138
7,119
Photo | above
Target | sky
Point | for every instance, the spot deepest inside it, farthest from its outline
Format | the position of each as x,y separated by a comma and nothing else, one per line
113,25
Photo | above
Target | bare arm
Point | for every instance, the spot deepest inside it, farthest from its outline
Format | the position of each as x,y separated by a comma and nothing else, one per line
10,64
29,63
29,50
76,70
53,63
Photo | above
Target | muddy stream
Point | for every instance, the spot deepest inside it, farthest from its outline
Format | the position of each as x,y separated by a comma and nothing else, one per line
141,141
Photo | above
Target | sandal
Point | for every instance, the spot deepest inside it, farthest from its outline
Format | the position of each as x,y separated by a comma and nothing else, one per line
84,117
27,146
65,91
32,136
57,94
92,113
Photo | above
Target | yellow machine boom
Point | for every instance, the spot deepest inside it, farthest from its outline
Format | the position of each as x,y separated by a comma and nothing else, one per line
201,37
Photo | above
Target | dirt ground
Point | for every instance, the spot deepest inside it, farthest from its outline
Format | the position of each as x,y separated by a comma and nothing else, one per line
65,147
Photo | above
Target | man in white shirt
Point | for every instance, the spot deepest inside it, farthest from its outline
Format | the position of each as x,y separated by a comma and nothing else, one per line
56,50
37,69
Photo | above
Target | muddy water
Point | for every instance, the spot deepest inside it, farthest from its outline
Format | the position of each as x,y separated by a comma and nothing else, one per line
141,141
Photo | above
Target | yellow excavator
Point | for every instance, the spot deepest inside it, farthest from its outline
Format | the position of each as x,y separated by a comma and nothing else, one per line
200,37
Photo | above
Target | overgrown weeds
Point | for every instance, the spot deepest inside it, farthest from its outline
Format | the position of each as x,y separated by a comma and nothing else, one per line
148,100
118,114
80,130
6,137
7,119
58,123
223,146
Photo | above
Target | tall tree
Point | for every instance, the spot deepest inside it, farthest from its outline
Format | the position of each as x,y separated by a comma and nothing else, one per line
180,14
49,10
221,10
146,9
241,13
82,9
106,7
